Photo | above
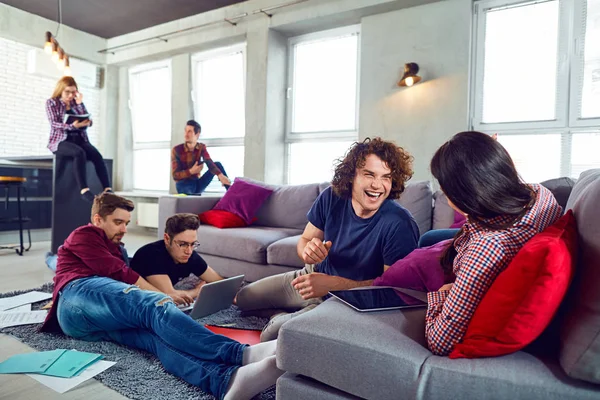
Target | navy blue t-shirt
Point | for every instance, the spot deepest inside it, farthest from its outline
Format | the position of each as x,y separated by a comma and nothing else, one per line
362,246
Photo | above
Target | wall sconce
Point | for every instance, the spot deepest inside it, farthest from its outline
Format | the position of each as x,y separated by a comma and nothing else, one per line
410,76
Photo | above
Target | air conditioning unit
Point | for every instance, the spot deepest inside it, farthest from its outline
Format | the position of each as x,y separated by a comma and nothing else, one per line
86,74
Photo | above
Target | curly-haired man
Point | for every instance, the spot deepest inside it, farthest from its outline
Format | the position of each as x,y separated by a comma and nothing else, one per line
355,232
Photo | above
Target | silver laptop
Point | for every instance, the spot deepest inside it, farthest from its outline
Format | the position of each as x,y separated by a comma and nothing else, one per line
215,296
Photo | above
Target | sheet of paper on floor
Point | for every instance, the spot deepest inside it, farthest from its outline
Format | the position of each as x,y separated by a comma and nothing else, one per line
23,308
22,318
62,385
26,298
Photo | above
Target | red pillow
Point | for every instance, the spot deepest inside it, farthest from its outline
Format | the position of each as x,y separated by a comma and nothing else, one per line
523,299
221,219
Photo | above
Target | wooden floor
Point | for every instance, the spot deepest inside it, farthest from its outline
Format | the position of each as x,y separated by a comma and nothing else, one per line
26,272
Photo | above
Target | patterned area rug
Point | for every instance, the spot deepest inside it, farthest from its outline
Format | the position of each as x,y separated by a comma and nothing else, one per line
137,375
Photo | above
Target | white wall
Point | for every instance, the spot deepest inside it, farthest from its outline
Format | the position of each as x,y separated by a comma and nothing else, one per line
420,118
24,127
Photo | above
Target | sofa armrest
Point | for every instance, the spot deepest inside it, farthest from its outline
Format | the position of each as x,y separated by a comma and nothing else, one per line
170,205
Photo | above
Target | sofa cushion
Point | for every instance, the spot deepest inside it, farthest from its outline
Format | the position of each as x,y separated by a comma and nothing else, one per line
244,199
283,252
221,219
561,189
443,214
516,376
287,206
370,355
247,244
524,298
580,336
417,199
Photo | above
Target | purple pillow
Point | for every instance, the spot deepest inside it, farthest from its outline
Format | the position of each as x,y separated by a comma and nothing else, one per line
420,270
459,220
243,199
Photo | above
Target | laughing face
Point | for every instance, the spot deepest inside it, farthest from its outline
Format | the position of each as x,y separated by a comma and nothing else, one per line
371,186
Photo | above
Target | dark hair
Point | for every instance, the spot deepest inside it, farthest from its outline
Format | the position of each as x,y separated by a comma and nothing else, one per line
478,176
106,203
397,159
180,223
195,125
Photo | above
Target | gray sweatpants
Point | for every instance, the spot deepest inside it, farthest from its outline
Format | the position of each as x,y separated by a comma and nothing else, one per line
275,292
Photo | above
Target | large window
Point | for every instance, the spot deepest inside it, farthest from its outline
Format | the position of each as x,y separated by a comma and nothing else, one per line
150,104
219,92
322,109
537,83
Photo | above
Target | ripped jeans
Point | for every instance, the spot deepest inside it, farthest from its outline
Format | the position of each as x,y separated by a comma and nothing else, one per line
97,308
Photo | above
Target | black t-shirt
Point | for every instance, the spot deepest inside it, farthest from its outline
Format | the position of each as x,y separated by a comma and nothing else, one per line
154,259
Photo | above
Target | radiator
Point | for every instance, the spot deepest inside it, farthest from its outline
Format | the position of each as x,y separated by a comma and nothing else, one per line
147,214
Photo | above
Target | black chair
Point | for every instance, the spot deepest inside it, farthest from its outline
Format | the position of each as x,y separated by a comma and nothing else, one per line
16,182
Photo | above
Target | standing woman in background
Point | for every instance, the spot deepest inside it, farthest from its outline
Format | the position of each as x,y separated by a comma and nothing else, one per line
71,140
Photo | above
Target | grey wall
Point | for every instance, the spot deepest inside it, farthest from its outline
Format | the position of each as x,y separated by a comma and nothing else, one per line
420,118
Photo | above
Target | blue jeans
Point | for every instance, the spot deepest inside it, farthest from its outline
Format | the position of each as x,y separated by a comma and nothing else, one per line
434,236
198,185
97,308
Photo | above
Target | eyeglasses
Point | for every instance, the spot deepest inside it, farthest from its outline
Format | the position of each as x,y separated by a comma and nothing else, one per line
68,92
186,245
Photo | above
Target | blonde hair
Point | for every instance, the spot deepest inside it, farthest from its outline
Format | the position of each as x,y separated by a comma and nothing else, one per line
62,84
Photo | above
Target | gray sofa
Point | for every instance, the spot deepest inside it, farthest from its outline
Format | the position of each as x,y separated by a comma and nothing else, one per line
268,246
334,352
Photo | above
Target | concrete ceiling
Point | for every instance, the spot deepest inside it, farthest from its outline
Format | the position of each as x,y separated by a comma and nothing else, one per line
110,18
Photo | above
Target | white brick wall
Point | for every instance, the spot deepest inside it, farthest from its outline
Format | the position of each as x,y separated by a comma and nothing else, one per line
24,127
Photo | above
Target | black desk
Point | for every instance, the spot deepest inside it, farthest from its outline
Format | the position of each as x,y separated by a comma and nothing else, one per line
54,200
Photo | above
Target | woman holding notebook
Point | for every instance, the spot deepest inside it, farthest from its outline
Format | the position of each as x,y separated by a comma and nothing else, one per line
69,120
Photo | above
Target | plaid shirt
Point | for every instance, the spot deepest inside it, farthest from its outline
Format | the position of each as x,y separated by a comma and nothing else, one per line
56,109
482,255
182,159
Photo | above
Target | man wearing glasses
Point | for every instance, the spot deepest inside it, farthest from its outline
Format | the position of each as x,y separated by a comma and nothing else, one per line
165,262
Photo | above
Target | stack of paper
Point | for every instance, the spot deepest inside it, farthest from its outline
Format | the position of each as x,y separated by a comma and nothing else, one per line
26,298
16,310
59,369
61,363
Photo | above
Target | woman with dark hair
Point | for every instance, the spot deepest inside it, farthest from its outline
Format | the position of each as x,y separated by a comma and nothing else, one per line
71,140
503,213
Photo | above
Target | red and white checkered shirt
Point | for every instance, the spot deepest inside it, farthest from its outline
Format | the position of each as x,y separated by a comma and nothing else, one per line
482,255
56,109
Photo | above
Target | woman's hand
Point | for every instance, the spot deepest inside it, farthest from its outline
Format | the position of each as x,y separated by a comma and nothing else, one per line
447,286
79,97
82,124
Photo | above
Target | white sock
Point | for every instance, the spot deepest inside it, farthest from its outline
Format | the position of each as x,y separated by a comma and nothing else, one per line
259,352
249,380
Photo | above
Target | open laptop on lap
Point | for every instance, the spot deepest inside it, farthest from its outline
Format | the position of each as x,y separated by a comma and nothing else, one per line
215,296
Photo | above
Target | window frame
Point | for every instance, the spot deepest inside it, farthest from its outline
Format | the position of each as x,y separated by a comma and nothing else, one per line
155,145
567,122
318,136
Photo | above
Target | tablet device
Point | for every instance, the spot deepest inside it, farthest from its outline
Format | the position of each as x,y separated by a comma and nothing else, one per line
70,118
377,299
216,296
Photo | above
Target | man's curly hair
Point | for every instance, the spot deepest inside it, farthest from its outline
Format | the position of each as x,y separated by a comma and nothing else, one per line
397,159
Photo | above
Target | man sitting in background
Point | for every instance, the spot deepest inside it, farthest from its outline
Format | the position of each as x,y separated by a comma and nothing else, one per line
165,262
187,160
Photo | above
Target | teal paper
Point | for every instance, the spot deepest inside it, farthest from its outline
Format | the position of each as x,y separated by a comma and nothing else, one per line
71,363
30,363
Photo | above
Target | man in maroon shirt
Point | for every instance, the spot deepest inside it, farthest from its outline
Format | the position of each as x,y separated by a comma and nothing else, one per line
98,297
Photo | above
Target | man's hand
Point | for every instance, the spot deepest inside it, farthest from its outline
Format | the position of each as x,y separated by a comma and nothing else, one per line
79,97
82,124
315,251
181,298
314,285
224,180
195,170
